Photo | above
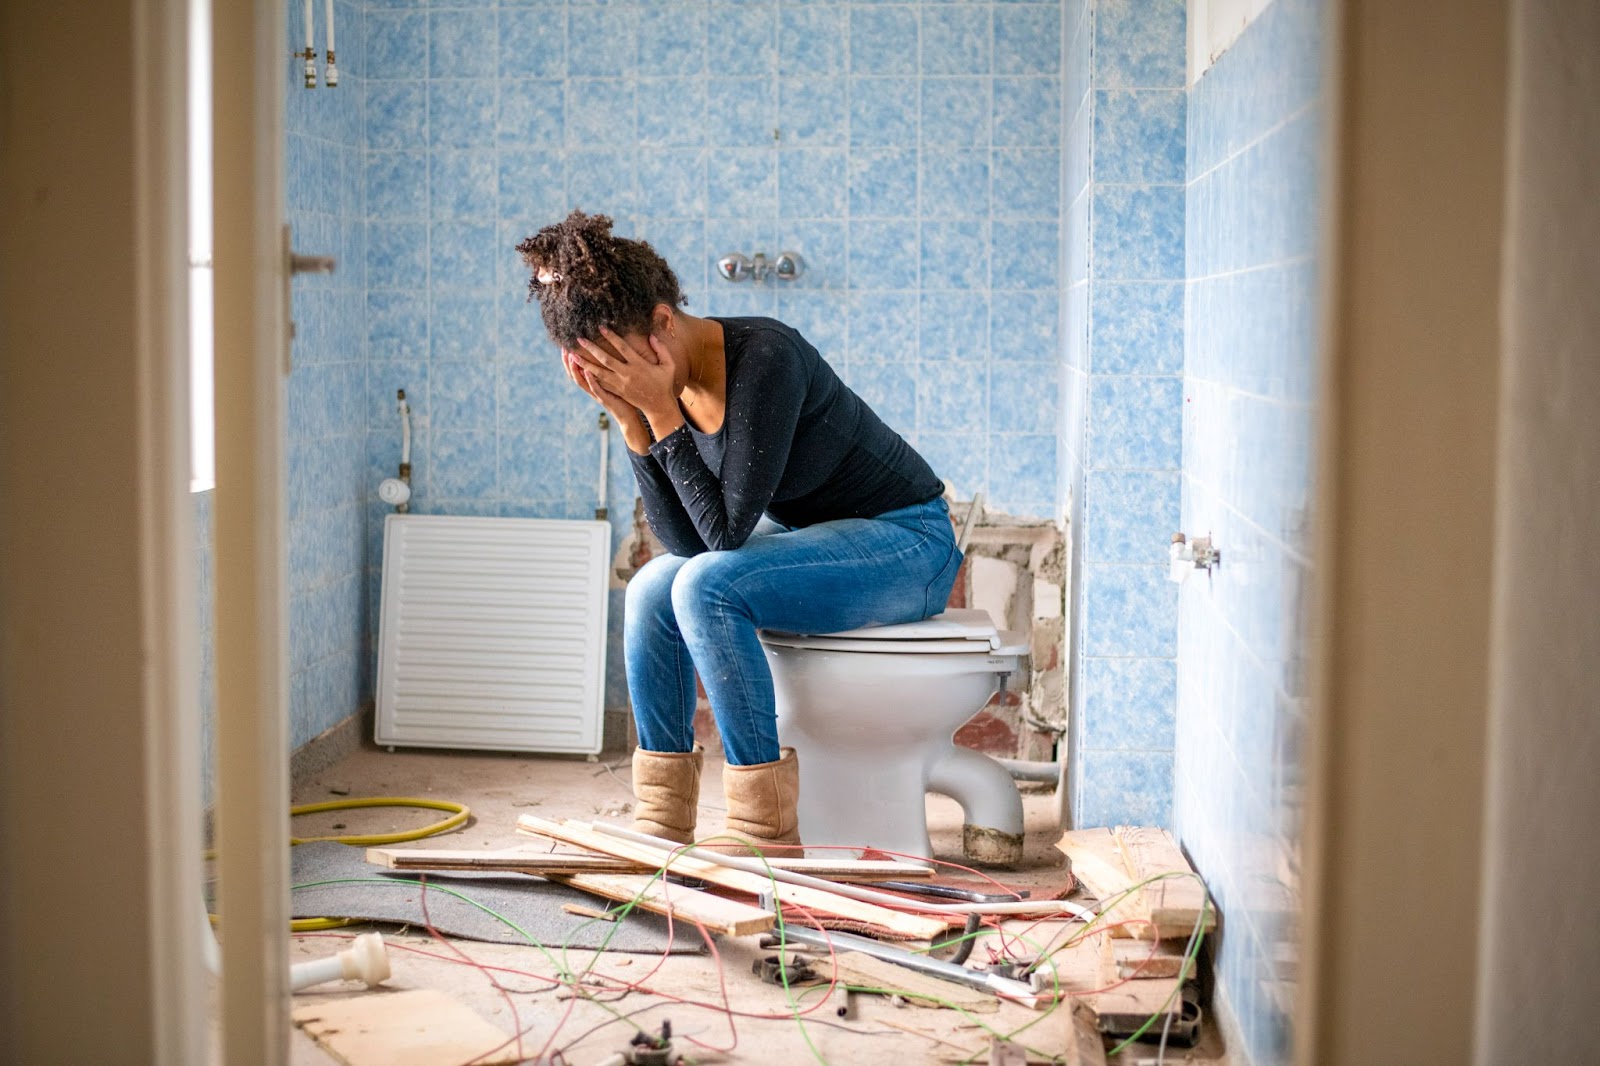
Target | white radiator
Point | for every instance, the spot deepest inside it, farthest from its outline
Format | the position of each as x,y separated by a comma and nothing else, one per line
492,633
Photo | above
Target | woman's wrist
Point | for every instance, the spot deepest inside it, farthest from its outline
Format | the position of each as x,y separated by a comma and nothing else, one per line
634,433
664,420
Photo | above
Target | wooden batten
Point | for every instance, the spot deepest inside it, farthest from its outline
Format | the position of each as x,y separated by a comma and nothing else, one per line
916,926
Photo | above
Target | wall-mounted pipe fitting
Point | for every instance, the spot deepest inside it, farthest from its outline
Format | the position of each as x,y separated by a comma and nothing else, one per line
736,266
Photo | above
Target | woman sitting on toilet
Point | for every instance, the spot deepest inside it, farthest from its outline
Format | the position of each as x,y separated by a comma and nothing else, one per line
728,421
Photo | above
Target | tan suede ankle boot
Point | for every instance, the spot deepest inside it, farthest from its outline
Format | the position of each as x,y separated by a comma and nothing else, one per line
666,788
762,807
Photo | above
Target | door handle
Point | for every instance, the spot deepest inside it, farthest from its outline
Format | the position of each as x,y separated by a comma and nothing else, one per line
311,264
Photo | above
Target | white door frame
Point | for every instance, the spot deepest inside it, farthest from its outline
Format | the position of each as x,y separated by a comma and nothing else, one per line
249,516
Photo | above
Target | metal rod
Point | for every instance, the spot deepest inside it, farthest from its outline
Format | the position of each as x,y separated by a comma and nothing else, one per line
949,971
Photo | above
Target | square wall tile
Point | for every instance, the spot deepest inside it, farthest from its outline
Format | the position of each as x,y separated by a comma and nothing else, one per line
741,113
672,183
1027,39
1137,327
533,43
1124,788
890,389
397,185
1138,232
1133,423
883,40
397,114
955,183
1139,135
463,184
1027,183
600,112
1025,326
1129,610
1140,44
954,325
396,45
812,111
1023,398
671,112
955,112
742,40
1022,472
672,39
532,184
1129,704
883,255
958,458
811,183
1027,112
883,327
462,44
461,114
461,255
1130,516
952,397
601,38
464,463
811,40
462,327
1025,254
883,112
955,255
956,40
883,183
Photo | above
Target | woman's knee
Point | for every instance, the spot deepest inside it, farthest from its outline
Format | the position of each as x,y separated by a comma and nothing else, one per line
649,591
702,586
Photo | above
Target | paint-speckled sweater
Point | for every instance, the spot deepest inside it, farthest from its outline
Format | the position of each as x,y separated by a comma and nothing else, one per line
795,443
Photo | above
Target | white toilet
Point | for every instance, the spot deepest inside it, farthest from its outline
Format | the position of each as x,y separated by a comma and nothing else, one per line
871,714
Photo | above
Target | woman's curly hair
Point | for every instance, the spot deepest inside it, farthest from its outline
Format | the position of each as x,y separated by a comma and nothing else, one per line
585,279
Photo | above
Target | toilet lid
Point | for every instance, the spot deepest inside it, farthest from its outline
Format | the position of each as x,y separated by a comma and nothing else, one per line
962,631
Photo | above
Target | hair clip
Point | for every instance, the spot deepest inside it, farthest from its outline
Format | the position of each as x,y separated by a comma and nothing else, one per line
549,277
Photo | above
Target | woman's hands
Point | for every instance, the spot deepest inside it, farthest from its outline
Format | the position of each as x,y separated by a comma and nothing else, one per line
627,380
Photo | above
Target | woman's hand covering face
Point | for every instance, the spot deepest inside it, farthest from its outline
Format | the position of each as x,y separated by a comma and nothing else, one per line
639,374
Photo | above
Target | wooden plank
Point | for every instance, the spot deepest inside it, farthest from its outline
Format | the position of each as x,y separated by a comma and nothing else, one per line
1083,1044
1145,959
863,972
811,899
421,1027
1097,862
726,916
541,862
522,862
1174,904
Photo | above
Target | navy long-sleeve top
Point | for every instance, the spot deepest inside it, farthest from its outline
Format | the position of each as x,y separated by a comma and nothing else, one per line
795,443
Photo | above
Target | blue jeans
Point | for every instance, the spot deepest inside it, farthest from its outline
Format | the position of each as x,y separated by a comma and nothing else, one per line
702,613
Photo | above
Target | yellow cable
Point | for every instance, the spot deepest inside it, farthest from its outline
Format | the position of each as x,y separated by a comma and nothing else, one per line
460,812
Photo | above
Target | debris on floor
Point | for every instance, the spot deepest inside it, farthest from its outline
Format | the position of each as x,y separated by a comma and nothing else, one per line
420,1027
965,967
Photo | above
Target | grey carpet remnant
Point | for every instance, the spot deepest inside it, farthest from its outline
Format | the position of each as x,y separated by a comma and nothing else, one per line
534,904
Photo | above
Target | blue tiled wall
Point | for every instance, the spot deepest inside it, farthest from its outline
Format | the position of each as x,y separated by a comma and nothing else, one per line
327,401
1250,353
1121,435
910,152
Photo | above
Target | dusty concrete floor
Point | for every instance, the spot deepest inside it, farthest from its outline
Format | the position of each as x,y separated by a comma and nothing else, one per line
500,787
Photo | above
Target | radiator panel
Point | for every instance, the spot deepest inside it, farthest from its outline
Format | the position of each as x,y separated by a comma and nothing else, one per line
492,633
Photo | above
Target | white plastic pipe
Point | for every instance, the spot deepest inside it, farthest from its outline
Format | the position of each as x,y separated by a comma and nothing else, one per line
330,76
330,23
405,426
311,45
605,459
1037,907
365,960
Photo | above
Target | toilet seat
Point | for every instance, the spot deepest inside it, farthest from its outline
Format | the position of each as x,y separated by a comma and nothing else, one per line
964,631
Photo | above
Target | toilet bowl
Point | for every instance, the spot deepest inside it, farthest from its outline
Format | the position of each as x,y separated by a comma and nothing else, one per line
871,714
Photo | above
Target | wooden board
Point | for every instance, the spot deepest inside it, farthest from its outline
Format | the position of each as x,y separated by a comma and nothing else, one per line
726,916
920,989
1110,863
1089,966
912,925
1097,862
1174,904
421,1027
1136,959
545,862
